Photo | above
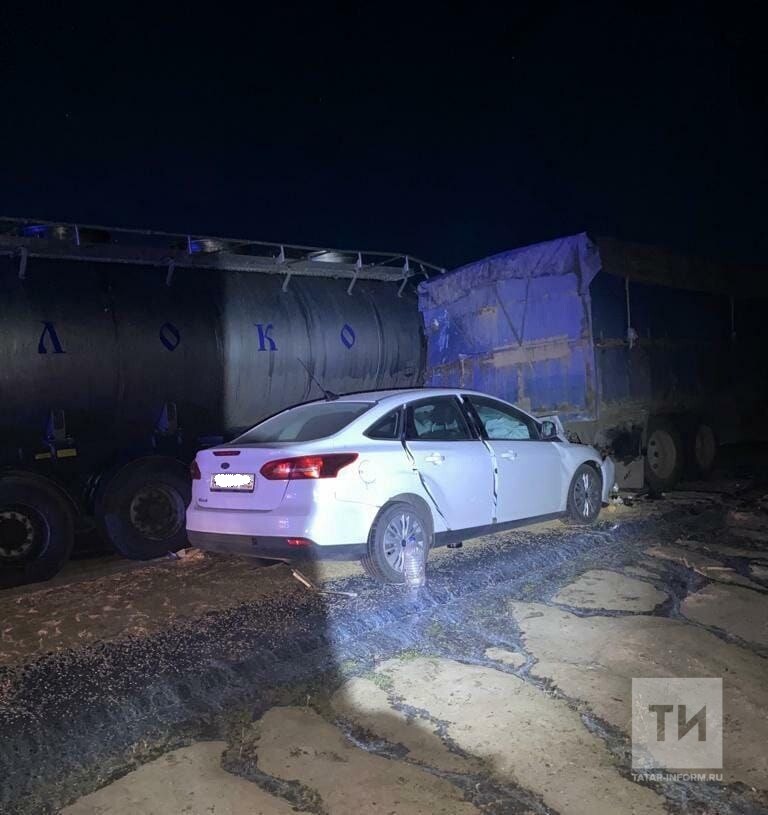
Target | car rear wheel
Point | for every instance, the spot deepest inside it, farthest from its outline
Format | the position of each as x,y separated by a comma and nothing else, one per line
395,526
585,495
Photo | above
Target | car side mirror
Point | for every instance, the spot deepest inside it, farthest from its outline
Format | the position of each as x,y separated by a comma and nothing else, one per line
548,430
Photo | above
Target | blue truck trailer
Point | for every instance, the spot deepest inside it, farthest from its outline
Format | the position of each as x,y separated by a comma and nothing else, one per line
651,356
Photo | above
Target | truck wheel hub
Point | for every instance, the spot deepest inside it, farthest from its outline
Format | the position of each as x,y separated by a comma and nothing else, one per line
157,512
662,456
17,534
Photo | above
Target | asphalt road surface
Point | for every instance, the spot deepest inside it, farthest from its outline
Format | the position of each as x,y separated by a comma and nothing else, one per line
213,685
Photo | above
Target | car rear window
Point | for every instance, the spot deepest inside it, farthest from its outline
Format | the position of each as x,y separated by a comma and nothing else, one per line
388,427
305,423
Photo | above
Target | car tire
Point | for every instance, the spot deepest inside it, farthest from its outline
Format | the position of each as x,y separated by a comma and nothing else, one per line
142,509
585,495
381,562
36,531
664,455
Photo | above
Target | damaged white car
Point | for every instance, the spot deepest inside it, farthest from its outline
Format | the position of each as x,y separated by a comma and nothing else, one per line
362,475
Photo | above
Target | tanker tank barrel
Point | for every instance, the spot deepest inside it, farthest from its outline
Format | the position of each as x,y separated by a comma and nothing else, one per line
147,344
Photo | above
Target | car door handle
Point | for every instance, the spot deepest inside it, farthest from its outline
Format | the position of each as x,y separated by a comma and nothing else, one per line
434,458
509,454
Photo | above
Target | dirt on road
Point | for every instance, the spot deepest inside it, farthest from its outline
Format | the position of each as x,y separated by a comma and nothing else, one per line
504,686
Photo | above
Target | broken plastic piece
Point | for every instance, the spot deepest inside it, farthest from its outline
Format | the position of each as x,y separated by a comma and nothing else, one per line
414,565
304,580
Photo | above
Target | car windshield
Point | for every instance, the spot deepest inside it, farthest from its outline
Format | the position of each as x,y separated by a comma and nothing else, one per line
305,423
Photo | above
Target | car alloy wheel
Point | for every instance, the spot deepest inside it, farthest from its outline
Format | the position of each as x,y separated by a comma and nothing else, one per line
586,494
405,528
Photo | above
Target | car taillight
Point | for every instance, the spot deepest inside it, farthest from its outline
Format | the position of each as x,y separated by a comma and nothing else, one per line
194,471
292,469
298,542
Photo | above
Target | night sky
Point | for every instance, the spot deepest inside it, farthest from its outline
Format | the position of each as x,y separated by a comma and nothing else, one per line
450,135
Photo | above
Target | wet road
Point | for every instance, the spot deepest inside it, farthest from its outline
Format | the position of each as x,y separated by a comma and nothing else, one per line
500,687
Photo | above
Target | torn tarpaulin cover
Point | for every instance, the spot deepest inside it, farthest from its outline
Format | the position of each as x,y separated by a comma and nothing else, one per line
517,325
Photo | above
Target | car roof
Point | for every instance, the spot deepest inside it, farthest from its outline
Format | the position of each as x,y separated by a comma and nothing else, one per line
396,396
399,393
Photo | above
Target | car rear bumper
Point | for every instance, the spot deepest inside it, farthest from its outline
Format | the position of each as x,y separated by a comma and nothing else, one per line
329,524
271,547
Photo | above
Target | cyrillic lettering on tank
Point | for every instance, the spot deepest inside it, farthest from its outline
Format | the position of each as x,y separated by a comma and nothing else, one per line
348,335
170,336
264,337
49,330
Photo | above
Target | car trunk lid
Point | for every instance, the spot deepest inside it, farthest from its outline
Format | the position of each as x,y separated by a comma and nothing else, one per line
224,479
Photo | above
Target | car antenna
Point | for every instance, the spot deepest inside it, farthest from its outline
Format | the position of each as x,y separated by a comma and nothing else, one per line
330,396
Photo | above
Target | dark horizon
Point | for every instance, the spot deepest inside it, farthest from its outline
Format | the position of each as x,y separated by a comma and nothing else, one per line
449,137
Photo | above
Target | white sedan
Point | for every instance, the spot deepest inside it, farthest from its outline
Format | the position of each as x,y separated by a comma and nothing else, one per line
361,475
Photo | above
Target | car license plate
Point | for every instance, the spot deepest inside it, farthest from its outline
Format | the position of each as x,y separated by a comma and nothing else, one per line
235,482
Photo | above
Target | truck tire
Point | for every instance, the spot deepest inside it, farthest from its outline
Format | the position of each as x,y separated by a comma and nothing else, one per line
585,496
664,455
384,560
36,531
142,509
701,450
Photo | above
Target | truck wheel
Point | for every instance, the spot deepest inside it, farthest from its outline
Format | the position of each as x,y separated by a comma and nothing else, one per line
36,531
393,525
585,495
143,508
702,450
664,456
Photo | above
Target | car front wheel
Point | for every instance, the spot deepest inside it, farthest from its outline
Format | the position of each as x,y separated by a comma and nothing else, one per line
395,526
585,495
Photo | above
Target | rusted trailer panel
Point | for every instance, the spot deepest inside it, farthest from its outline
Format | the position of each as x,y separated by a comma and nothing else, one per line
518,325
615,338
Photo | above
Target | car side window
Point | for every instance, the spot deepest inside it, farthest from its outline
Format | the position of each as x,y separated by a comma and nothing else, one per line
502,423
388,427
437,419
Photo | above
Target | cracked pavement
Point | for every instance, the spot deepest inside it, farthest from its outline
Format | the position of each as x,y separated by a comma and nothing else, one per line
502,687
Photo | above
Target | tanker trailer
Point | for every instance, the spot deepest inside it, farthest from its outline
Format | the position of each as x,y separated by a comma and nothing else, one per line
123,352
